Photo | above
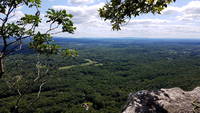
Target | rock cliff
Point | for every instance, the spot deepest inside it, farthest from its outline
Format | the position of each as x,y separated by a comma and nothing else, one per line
173,100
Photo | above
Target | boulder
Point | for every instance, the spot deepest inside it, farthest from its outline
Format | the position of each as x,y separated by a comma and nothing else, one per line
173,100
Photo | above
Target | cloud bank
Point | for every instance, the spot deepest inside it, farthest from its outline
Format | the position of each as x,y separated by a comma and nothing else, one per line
174,22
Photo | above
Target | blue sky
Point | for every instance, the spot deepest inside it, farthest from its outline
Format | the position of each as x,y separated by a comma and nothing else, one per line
179,20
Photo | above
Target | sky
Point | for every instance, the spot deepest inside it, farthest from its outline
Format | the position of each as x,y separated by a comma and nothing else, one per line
180,20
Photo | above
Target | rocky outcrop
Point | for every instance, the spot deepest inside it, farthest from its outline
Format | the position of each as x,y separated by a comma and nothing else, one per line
173,100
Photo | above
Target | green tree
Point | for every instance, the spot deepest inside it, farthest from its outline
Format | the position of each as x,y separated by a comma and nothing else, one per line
12,34
118,11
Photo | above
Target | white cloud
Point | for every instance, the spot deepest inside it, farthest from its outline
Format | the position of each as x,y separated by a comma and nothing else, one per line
193,8
86,19
78,2
189,12
16,16
83,14
149,21
189,17
171,10
176,22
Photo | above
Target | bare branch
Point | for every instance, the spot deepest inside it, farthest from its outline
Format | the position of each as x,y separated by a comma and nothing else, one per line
17,40
40,89
38,94
18,99
51,29
1,19
38,68
56,33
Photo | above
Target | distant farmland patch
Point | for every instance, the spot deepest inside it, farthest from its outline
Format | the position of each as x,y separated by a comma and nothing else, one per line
89,62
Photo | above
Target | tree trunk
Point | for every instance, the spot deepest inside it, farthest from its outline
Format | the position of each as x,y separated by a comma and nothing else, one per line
1,66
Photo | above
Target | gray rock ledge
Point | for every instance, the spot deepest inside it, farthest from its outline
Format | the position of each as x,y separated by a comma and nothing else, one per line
173,100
